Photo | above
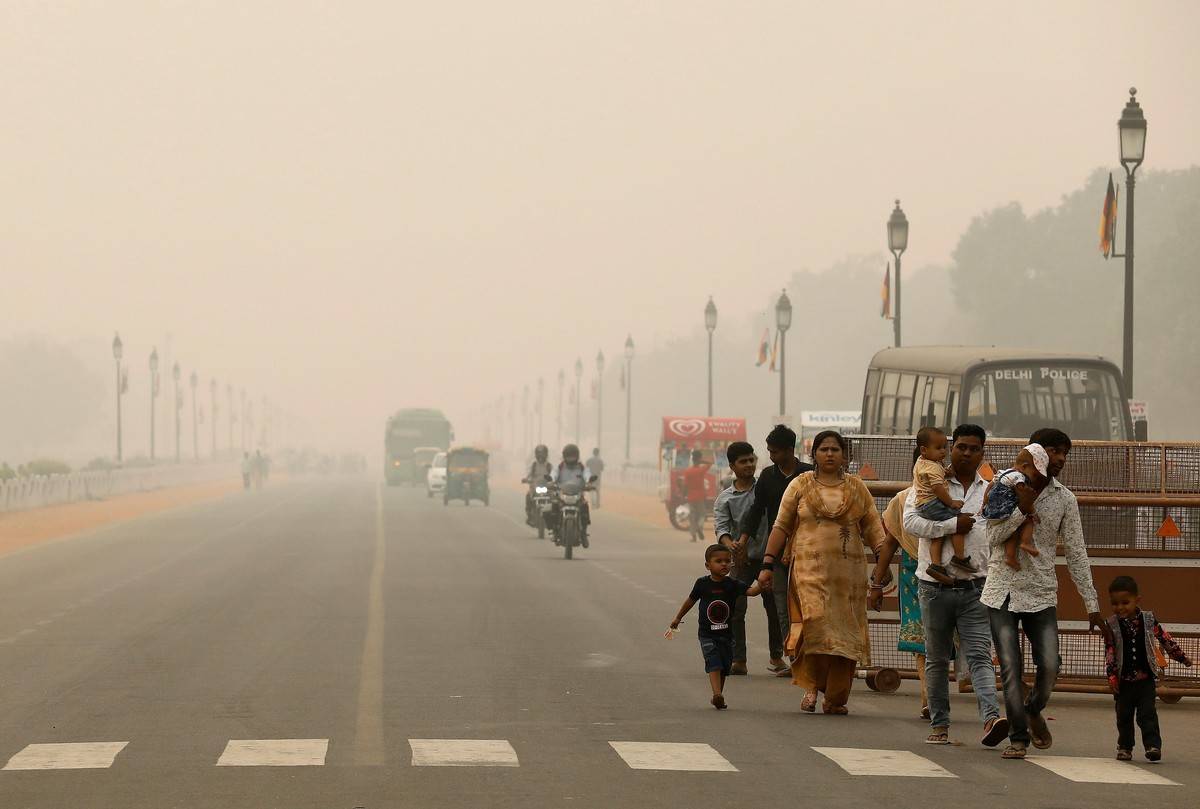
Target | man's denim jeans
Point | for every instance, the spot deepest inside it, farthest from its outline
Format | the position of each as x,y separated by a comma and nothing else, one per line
942,611
1041,628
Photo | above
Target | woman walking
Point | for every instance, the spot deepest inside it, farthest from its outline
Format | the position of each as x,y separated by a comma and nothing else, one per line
912,633
824,518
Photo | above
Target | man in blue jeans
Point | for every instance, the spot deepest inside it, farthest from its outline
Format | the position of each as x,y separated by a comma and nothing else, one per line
1028,598
956,606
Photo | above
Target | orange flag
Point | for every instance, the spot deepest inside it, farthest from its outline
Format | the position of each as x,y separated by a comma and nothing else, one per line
763,348
886,294
774,351
1108,221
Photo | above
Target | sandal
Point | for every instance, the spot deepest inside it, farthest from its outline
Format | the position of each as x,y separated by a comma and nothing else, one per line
1014,751
1124,755
842,710
718,702
939,736
809,703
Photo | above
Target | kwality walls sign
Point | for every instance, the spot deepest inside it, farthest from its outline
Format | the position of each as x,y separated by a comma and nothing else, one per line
698,430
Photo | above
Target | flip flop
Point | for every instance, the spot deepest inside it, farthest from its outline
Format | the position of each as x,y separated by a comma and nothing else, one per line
939,736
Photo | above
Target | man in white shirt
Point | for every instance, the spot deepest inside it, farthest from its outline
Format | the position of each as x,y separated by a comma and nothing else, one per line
946,607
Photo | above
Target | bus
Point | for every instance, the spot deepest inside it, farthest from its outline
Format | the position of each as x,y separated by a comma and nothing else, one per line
407,431
1010,392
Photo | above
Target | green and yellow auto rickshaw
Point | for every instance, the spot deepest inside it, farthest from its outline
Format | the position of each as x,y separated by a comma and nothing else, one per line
466,475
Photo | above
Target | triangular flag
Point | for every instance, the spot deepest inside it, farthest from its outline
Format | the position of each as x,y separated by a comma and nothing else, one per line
1108,220
774,351
764,347
986,471
886,294
1169,529
867,472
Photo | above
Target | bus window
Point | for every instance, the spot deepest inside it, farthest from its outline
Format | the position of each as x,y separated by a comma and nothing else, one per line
870,399
919,399
886,422
1015,401
939,388
904,404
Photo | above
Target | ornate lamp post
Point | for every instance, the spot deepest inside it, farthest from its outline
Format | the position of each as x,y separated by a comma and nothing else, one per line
783,322
710,323
599,398
628,393
153,395
897,228
578,400
1132,127
118,350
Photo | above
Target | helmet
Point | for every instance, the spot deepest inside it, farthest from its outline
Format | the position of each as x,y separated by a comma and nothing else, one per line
570,453
541,452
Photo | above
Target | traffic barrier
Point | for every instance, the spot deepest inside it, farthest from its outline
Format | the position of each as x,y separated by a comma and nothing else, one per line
39,491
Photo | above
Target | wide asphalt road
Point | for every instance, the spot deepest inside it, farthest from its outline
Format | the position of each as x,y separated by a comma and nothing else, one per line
334,644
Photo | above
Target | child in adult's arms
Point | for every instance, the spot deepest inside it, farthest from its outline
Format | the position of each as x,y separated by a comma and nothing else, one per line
717,593
1000,499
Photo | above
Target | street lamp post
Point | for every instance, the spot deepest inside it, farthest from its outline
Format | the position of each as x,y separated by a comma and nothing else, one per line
628,393
212,390
599,398
541,408
562,380
1132,127
578,400
195,380
783,321
897,228
710,323
153,395
175,373
118,351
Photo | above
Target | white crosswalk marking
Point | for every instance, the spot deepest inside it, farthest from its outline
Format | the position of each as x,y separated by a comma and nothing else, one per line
1098,770
72,756
672,756
860,761
274,753
463,753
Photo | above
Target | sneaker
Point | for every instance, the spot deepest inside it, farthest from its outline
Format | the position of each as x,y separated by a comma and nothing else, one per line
994,731
1039,733
1153,754
1124,755
964,564
738,667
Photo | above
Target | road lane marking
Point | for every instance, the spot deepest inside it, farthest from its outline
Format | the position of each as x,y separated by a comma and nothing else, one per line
368,727
463,753
274,753
687,757
858,761
72,756
1098,770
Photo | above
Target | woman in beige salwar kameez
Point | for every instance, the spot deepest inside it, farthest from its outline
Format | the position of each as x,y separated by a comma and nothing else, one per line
824,518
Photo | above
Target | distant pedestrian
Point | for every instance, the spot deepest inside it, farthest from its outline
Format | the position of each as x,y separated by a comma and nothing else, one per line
717,594
1027,599
694,492
768,492
1134,662
595,466
731,504
247,469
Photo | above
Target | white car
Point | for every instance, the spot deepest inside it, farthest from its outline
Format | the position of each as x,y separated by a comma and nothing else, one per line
435,478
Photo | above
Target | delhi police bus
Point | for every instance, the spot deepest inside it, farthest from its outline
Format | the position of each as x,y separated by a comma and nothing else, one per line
407,431
1010,392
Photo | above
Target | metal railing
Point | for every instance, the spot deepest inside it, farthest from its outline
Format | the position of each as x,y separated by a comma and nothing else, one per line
19,494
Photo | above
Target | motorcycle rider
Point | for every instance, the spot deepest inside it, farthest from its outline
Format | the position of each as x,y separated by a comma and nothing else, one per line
572,471
539,470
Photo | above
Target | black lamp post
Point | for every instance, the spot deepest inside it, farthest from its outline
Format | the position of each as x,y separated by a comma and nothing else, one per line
710,323
897,228
1132,127
628,392
599,398
578,400
153,395
118,351
783,321
176,373
195,381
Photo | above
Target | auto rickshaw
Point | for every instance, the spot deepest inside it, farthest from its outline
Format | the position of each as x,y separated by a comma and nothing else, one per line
466,476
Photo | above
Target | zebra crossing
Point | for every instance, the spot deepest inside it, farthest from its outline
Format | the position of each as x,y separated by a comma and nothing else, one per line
696,757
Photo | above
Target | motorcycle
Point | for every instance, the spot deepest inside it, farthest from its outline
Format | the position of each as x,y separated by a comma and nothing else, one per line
541,505
570,530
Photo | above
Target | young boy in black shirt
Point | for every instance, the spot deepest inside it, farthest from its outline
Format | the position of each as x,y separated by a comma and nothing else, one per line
717,594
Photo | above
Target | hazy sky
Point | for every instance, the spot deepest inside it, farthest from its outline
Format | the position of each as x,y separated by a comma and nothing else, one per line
353,206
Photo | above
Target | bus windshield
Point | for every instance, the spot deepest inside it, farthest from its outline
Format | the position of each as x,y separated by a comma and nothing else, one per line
1014,399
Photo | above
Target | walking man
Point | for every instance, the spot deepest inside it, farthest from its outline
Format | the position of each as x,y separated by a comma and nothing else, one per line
694,494
956,606
768,492
1028,598
595,467
731,504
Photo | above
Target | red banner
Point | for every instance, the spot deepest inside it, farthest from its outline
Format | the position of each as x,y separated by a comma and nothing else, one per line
698,430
